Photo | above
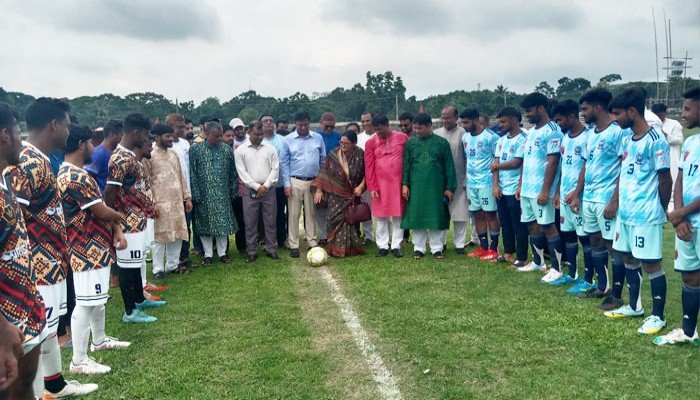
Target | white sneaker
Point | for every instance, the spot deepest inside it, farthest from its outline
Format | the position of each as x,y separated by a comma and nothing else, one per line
551,276
677,336
73,388
89,367
110,343
532,267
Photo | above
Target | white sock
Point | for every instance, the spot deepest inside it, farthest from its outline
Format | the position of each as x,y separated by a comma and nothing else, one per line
80,328
97,324
49,362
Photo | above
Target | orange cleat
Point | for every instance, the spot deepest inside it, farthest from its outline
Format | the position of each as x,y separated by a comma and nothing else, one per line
478,253
490,255
150,296
151,288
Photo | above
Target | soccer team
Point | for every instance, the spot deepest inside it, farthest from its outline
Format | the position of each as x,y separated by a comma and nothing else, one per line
610,181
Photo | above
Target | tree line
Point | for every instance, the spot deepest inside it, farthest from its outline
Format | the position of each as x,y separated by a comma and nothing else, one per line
381,93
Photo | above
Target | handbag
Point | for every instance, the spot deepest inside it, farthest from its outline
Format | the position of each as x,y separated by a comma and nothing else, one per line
357,212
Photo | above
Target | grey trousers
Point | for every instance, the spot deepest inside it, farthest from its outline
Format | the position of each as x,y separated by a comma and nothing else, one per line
253,208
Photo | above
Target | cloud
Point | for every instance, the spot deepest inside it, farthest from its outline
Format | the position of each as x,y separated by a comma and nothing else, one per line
468,19
153,20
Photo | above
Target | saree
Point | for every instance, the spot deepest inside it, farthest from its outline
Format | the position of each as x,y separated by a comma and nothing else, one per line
338,178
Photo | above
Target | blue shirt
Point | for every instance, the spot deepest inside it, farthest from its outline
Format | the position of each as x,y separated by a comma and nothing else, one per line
301,156
331,141
602,162
99,168
642,160
572,149
277,141
540,144
507,149
479,150
56,158
688,165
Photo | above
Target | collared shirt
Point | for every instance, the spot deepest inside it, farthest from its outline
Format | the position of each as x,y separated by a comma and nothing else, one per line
331,140
99,168
257,166
301,156
362,139
182,149
277,142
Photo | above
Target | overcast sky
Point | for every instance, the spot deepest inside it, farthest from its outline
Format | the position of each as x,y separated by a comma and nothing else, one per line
191,50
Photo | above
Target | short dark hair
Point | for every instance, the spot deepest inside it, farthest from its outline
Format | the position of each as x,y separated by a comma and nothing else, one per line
136,121
212,125
597,96
162,129
208,118
188,121
227,127
692,94
566,107
302,116
380,119
265,115
257,124
510,112
113,126
371,114
423,119
352,136
635,97
406,115
534,99
659,108
281,121
44,110
353,124
469,113
8,116
77,134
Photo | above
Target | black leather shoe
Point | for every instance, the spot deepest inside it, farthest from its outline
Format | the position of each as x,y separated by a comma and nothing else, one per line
294,253
397,253
251,258
273,255
382,252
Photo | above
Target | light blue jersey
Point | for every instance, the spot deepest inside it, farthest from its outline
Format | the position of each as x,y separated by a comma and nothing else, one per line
572,149
689,165
479,150
539,145
507,149
603,162
642,160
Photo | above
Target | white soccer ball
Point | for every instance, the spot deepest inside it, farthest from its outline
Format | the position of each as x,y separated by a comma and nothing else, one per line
317,256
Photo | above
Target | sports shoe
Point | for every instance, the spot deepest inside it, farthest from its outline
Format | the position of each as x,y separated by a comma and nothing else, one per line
148,303
72,388
151,288
564,279
532,267
89,367
593,293
609,303
138,317
551,275
110,343
490,255
478,253
651,325
624,312
151,296
677,336
581,287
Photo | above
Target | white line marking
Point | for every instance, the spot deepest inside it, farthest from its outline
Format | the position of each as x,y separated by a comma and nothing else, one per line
385,381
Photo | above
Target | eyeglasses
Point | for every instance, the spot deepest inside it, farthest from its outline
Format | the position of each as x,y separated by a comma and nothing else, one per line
268,122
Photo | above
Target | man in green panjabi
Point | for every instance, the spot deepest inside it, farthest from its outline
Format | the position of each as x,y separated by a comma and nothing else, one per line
213,180
429,182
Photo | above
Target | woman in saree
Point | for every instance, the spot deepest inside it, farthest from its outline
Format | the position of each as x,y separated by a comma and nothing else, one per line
341,182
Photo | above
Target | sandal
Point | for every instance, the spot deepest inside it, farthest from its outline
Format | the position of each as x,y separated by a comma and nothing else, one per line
417,255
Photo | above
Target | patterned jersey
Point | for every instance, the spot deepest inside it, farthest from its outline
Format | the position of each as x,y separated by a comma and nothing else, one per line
540,144
572,149
89,237
689,164
127,173
20,301
642,160
35,188
603,162
479,151
507,149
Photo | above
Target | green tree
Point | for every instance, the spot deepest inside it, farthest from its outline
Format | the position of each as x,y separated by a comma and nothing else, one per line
605,81
248,114
546,89
571,88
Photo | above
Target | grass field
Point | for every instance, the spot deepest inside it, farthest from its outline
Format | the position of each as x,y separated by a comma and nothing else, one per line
450,329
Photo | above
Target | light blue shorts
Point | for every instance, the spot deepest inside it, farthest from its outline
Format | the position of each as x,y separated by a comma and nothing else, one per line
644,242
531,211
688,254
570,221
481,199
594,221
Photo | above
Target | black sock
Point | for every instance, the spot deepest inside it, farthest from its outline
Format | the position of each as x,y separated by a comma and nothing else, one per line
634,282
690,298
587,259
600,264
618,275
657,281
484,240
572,258
494,242
555,251
55,383
538,243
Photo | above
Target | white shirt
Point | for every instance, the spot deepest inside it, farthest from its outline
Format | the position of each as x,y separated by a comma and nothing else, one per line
182,149
257,166
674,135
362,139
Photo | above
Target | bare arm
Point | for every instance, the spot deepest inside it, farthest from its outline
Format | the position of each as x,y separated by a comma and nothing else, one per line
665,184
105,213
110,195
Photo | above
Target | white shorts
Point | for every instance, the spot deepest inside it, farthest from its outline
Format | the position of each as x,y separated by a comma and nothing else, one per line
134,254
55,299
150,233
32,343
91,287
